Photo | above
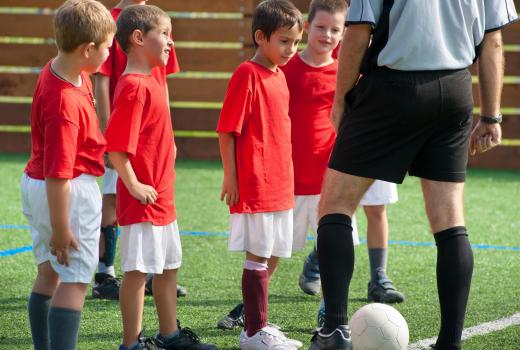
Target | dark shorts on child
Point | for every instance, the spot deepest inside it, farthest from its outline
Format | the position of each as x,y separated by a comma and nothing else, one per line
406,121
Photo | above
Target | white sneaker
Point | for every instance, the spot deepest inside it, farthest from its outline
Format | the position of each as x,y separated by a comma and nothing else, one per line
268,338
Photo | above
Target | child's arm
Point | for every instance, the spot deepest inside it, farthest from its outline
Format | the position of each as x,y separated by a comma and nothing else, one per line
143,193
230,183
102,95
58,192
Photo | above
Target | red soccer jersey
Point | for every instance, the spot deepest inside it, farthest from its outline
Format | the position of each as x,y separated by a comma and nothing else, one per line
115,64
141,126
65,134
312,93
256,110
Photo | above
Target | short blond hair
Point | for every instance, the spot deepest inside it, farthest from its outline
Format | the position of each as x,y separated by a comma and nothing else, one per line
82,21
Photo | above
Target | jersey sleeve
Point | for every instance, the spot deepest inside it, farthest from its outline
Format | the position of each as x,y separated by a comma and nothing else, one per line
122,134
173,64
499,13
364,12
61,142
237,103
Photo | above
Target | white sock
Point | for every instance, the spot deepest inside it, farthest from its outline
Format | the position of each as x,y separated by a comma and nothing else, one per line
252,265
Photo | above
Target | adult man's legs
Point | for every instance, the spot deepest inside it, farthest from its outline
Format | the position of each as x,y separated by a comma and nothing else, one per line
340,197
444,207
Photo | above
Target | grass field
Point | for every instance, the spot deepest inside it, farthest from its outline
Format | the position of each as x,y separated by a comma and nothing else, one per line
213,275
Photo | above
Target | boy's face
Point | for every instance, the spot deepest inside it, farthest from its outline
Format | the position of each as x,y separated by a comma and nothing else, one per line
157,43
96,56
325,31
281,46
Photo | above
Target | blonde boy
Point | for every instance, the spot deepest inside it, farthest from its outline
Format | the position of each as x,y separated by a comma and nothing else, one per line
141,148
60,196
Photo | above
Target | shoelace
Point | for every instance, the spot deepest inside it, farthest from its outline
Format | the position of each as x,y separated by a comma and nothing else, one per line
190,334
150,344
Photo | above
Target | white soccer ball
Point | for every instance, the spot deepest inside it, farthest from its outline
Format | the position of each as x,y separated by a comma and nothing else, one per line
379,327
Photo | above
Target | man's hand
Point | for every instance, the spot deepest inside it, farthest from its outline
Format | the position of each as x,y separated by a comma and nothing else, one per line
230,191
143,193
60,244
484,137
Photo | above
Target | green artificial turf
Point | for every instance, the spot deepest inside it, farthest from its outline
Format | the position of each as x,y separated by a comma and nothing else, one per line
212,274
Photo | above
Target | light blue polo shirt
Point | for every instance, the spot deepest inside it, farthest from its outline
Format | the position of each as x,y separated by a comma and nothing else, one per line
431,34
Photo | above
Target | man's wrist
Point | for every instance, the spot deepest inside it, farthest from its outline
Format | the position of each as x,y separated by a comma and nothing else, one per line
487,119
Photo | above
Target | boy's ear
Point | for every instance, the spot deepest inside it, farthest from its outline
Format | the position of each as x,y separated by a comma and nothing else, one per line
85,49
259,37
137,37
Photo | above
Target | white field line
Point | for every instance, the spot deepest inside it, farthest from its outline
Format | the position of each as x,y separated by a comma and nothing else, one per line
480,329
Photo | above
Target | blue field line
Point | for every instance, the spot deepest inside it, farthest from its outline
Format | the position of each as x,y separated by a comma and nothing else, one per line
10,252
14,251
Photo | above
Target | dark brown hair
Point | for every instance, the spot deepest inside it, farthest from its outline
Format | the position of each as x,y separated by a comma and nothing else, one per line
137,17
270,15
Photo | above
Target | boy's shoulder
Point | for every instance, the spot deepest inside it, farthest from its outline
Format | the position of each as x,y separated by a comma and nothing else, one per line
133,86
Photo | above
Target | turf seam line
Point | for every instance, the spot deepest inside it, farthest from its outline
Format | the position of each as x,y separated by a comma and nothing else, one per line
481,329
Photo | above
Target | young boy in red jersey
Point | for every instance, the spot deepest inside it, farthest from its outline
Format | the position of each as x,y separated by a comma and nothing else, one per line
141,148
255,145
311,78
106,285
60,196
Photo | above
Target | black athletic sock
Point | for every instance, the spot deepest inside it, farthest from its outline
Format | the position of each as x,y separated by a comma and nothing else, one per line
378,258
38,314
110,234
454,271
336,257
63,328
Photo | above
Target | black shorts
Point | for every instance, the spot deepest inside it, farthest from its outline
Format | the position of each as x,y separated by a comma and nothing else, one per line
397,122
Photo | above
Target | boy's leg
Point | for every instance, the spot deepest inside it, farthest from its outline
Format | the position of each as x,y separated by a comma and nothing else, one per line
255,287
444,207
39,303
380,287
131,301
65,315
166,301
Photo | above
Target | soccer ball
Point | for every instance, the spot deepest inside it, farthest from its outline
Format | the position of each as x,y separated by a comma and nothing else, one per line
379,327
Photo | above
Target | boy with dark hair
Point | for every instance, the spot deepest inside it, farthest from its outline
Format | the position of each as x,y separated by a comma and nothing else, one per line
106,285
60,196
141,148
255,145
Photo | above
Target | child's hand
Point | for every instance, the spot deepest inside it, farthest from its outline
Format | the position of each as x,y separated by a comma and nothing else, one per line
230,192
60,244
143,193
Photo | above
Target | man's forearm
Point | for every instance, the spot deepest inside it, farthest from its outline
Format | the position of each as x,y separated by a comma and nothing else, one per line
491,73
58,192
353,48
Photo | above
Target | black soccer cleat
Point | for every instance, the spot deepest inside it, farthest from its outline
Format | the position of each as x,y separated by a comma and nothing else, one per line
339,339
234,319
181,291
185,340
106,287
384,291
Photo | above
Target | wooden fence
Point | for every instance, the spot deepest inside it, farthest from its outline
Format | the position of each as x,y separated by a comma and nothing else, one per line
212,38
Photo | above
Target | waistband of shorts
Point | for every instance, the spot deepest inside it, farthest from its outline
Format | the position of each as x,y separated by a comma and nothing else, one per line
82,177
432,73
85,177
